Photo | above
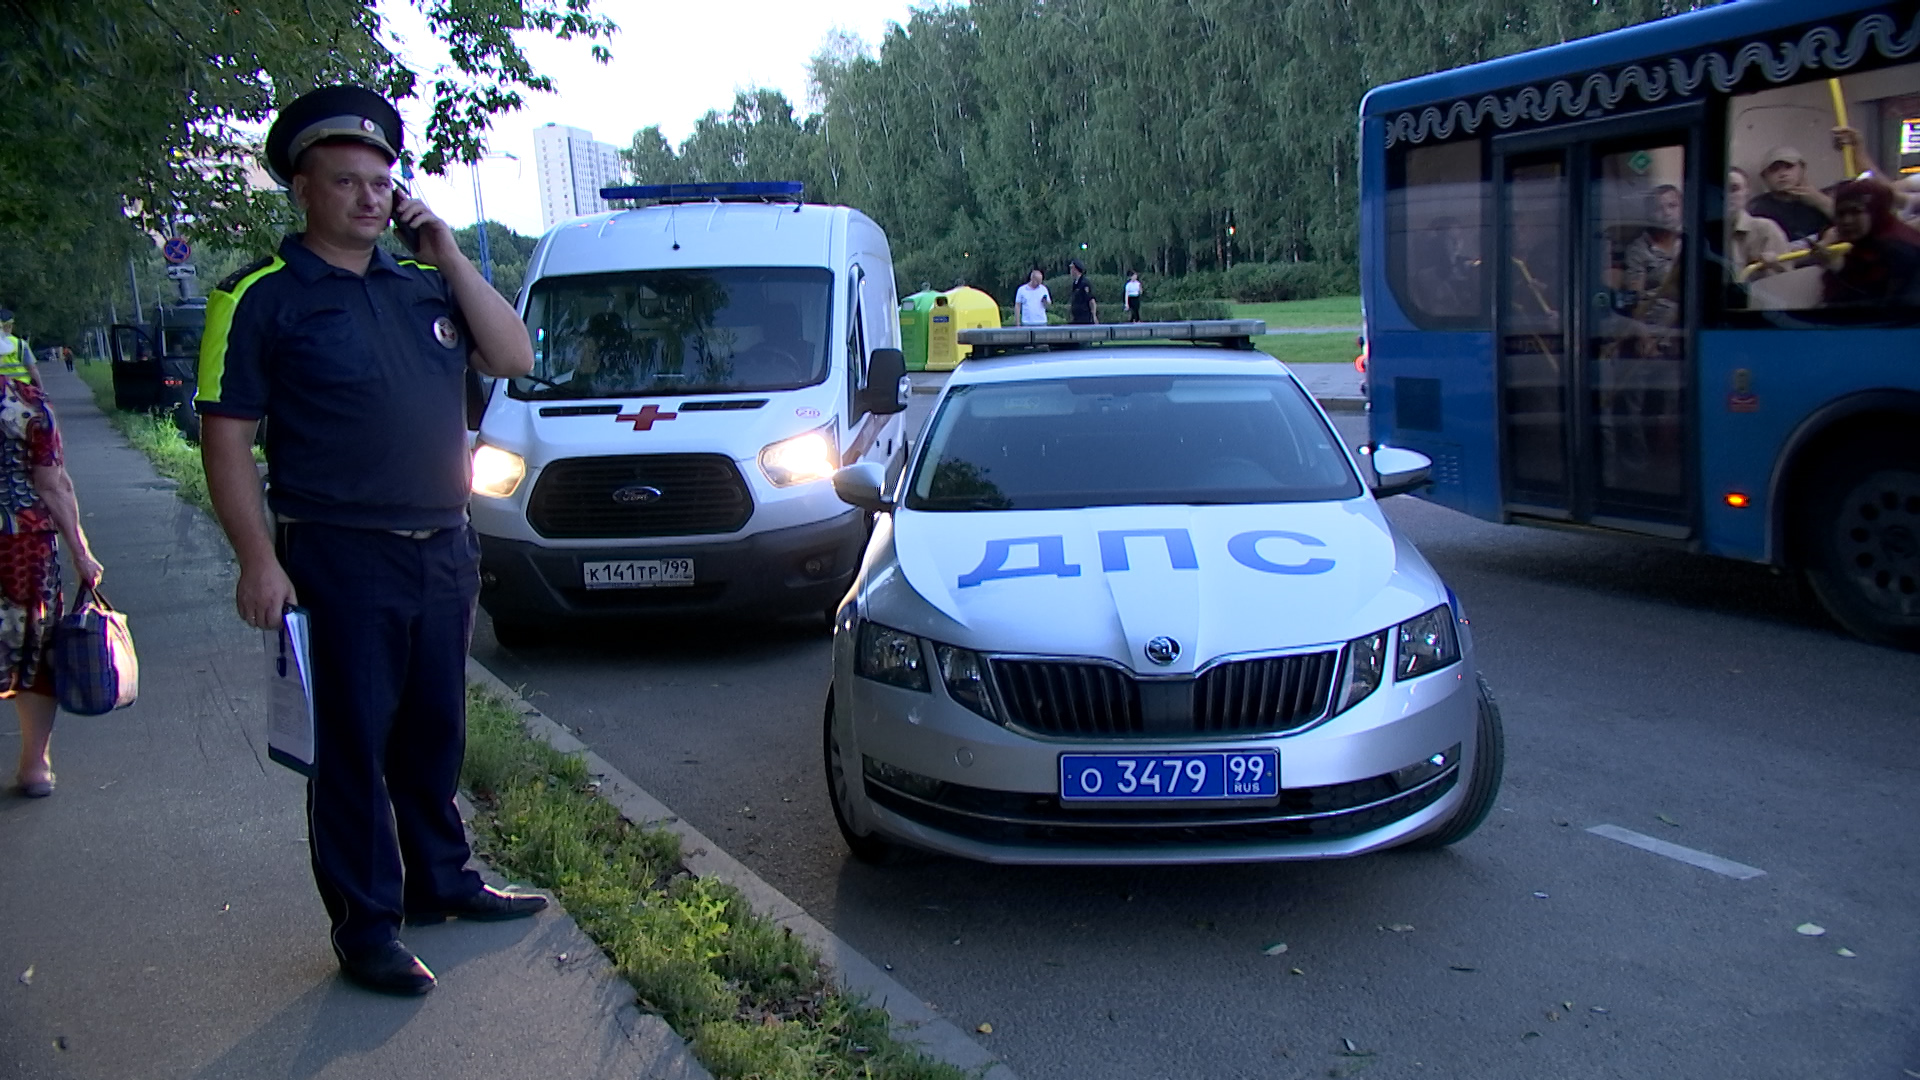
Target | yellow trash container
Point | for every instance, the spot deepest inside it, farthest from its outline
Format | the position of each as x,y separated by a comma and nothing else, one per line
966,308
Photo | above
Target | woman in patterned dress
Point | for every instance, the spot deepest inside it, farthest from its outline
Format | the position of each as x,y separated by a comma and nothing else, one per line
37,507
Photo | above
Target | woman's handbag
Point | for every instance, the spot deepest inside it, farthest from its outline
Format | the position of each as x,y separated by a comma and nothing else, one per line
95,670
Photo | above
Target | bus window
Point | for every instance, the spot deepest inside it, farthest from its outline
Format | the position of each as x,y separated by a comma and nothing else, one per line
1533,354
1637,259
1436,235
1799,186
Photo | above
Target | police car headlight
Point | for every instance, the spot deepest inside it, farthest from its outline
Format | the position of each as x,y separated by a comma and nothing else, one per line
890,656
814,455
497,472
1360,670
965,674
1427,644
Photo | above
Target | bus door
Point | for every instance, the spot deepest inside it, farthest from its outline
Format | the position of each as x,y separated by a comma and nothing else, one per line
1595,320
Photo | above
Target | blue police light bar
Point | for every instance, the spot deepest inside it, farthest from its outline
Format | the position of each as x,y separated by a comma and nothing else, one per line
749,189
1232,333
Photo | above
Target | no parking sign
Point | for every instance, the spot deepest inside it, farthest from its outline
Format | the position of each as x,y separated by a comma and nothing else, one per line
176,250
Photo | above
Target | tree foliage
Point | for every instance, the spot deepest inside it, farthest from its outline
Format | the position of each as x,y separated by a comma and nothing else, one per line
1166,137
128,119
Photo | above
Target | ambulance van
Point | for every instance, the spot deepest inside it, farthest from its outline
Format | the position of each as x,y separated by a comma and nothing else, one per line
702,366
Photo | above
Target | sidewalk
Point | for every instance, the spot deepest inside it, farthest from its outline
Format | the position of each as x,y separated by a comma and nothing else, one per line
162,900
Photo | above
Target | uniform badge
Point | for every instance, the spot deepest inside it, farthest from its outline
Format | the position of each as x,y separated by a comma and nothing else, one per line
445,333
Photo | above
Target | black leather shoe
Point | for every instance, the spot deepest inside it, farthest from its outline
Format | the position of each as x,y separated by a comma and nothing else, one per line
389,969
487,905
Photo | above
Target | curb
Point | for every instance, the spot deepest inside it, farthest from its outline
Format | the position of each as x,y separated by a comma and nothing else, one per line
914,1021
1343,404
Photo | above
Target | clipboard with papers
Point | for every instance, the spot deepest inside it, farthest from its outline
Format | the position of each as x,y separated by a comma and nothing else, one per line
290,684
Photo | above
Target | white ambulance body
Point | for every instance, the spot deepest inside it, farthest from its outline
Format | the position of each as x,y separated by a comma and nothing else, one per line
701,368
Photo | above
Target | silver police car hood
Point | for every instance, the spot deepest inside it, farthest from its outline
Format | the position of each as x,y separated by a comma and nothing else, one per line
1216,580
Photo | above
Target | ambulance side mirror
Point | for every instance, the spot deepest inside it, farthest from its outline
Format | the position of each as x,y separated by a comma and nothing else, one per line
888,390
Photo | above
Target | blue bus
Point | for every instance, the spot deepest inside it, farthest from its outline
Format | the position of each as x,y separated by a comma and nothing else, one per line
1639,283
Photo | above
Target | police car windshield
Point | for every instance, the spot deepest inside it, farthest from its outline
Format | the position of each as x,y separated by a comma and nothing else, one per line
1129,441
676,332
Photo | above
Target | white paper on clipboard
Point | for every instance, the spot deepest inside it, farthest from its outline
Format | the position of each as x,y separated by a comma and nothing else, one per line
290,681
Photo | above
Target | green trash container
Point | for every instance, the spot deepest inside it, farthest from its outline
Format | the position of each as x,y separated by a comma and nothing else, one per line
916,320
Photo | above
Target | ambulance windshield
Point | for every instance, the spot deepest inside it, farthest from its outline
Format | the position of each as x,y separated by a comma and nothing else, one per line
651,333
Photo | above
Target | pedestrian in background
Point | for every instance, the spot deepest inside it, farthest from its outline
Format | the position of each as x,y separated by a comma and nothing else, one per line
358,361
1082,308
16,359
1134,291
37,511
1030,301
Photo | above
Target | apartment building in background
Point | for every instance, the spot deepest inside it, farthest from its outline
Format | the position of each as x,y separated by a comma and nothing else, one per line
573,169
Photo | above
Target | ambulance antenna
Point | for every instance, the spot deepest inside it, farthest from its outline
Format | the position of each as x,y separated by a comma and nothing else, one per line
673,225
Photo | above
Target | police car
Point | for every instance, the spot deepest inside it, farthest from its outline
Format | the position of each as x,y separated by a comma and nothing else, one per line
1137,603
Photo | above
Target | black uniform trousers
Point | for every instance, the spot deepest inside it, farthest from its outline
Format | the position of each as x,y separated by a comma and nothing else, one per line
390,618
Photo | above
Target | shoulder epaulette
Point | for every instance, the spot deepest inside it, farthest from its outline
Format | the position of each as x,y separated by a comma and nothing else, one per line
233,280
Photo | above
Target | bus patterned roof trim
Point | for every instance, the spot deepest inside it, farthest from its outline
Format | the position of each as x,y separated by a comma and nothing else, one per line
1823,48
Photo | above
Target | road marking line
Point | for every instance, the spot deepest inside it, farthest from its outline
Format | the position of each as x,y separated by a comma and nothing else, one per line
1686,855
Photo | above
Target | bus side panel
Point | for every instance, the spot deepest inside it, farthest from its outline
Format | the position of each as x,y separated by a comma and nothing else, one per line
1434,392
1755,389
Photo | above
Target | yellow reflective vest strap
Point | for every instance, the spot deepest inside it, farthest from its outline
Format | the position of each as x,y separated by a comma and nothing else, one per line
221,304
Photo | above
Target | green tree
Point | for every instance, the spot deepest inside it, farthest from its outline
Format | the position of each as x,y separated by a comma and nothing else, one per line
128,119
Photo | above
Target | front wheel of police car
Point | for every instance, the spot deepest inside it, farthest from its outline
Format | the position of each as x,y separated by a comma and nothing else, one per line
1483,785
870,848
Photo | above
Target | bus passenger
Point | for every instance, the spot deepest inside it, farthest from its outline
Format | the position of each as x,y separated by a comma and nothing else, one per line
1751,241
1800,209
1650,276
1883,265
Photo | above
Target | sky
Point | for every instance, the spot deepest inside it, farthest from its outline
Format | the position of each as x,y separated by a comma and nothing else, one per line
672,62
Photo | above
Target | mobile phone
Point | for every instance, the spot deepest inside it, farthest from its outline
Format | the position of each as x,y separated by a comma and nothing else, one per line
408,235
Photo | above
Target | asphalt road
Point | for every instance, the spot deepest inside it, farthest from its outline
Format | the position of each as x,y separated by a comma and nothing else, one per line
1698,702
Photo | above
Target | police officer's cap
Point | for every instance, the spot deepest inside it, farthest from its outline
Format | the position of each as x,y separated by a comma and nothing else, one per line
6,315
331,112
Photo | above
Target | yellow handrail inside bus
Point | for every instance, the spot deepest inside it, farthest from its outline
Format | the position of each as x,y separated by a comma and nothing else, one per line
1840,120
1796,253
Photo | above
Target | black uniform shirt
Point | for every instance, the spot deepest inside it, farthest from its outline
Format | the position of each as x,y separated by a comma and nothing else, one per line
360,379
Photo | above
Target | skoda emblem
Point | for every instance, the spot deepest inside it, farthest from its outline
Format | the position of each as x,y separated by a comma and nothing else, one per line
445,333
1163,650
637,495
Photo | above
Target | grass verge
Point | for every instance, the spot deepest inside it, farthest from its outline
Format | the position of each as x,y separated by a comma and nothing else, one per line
1309,348
155,436
1292,314
754,1002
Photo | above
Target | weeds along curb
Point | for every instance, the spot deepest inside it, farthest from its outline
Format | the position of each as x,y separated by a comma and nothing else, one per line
913,1022
739,971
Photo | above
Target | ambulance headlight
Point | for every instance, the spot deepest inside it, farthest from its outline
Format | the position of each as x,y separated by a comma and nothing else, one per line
814,455
497,472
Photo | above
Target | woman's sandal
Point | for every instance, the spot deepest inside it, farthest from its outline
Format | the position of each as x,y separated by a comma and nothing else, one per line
36,789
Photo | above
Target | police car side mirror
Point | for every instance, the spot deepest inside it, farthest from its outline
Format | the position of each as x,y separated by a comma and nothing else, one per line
1397,471
888,390
862,486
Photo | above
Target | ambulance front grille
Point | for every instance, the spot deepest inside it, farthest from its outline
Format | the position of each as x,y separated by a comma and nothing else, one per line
1270,695
699,494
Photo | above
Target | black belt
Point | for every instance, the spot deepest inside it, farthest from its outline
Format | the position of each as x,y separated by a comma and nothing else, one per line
409,534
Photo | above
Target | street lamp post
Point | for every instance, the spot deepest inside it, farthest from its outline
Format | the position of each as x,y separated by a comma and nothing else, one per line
480,214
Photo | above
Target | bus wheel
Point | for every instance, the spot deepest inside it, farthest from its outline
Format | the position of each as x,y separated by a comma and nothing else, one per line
1863,541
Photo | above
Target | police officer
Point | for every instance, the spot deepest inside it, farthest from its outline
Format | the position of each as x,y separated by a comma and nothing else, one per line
1082,308
358,360
16,359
